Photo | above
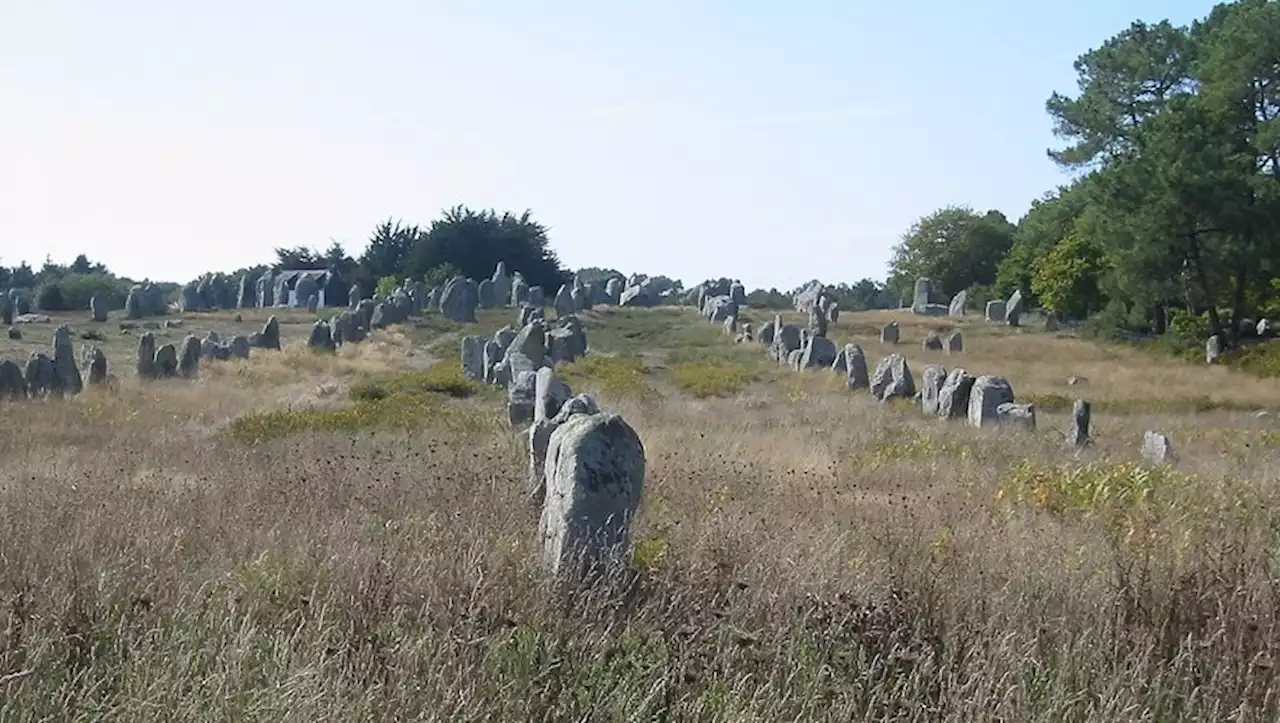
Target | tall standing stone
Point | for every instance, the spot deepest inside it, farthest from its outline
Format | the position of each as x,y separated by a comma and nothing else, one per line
995,312
932,342
95,364
1212,349
1078,434
145,364
892,379
595,468
245,296
98,308
166,361
955,342
1156,448
13,385
957,306
953,398
564,301
459,300
1013,309
519,291
321,337
306,288
931,381
486,294
473,358
920,299
501,285
889,333
266,291
853,364
189,357
64,362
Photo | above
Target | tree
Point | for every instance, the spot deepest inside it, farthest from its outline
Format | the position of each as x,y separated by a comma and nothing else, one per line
474,242
299,257
388,252
1067,278
954,247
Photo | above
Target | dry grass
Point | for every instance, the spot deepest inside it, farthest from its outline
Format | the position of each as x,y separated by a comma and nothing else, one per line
802,553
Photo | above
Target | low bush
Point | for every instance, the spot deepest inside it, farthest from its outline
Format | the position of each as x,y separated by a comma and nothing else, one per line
711,378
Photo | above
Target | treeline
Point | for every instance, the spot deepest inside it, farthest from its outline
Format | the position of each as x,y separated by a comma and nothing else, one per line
62,287
1172,222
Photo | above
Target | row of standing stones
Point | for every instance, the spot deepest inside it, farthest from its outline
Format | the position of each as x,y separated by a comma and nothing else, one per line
982,401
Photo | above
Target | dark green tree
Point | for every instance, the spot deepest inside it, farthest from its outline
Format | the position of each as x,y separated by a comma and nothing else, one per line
954,247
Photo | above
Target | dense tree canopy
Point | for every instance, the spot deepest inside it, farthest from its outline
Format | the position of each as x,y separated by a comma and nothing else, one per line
1174,137
955,248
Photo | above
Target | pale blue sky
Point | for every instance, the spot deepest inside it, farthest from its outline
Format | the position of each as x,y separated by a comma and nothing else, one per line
775,142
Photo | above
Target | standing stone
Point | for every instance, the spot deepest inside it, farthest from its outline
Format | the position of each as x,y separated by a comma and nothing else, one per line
995,311
64,362
281,291
953,398
1078,434
501,285
1156,448
98,308
819,351
313,303
738,293
266,291
564,301
42,376
1265,328
957,305
528,350
932,342
166,361
239,347
765,336
889,334
271,334
21,303
305,289
473,358
613,290
931,382
853,364
1212,349
485,294
133,305
540,437
817,321
245,296
537,297
13,385
955,342
833,312
189,357
1013,309
459,300
550,393
321,337
595,467
145,364
892,379
354,295
920,299
786,339
191,297
988,393
491,360
520,397
519,291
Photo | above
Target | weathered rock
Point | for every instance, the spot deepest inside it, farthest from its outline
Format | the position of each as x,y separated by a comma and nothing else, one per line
528,350
931,381
98,308
459,300
269,338
1014,309
191,297
932,342
1265,328
520,397
786,339
321,337
473,358
95,364
819,352
13,385
519,291
1078,434
281,290
568,341
1212,349
641,295
501,285
485,294
6,310
537,297
189,357
166,361
892,379
988,393
64,362
995,311
145,364
766,334
550,393
852,363
595,467
41,376
21,304
354,295
564,301
920,299
15,333
613,290
540,436
889,334
1020,415
953,397
313,303
808,296
494,369
1156,448
957,306
245,296
504,336
954,342
738,293
306,288
239,347
817,321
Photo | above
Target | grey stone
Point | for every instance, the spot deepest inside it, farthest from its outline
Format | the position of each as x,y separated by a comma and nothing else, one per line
321,337
491,358
1014,309
1078,434
954,342
473,358
1212,349
64,362
145,364
95,364
889,334
41,376
15,333
786,339
892,379
853,364
189,357
486,295
520,397
166,361
595,468
1156,448
239,347
13,385
931,382
932,342
459,300
819,351
957,306
988,393
270,335
920,297
953,397
98,308
528,350
540,436
1019,415
995,311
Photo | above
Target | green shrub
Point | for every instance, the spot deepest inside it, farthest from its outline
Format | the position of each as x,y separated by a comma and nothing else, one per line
1261,359
711,378
1097,487
49,298
443,378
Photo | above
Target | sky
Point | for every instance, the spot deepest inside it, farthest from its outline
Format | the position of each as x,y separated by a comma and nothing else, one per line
767,141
